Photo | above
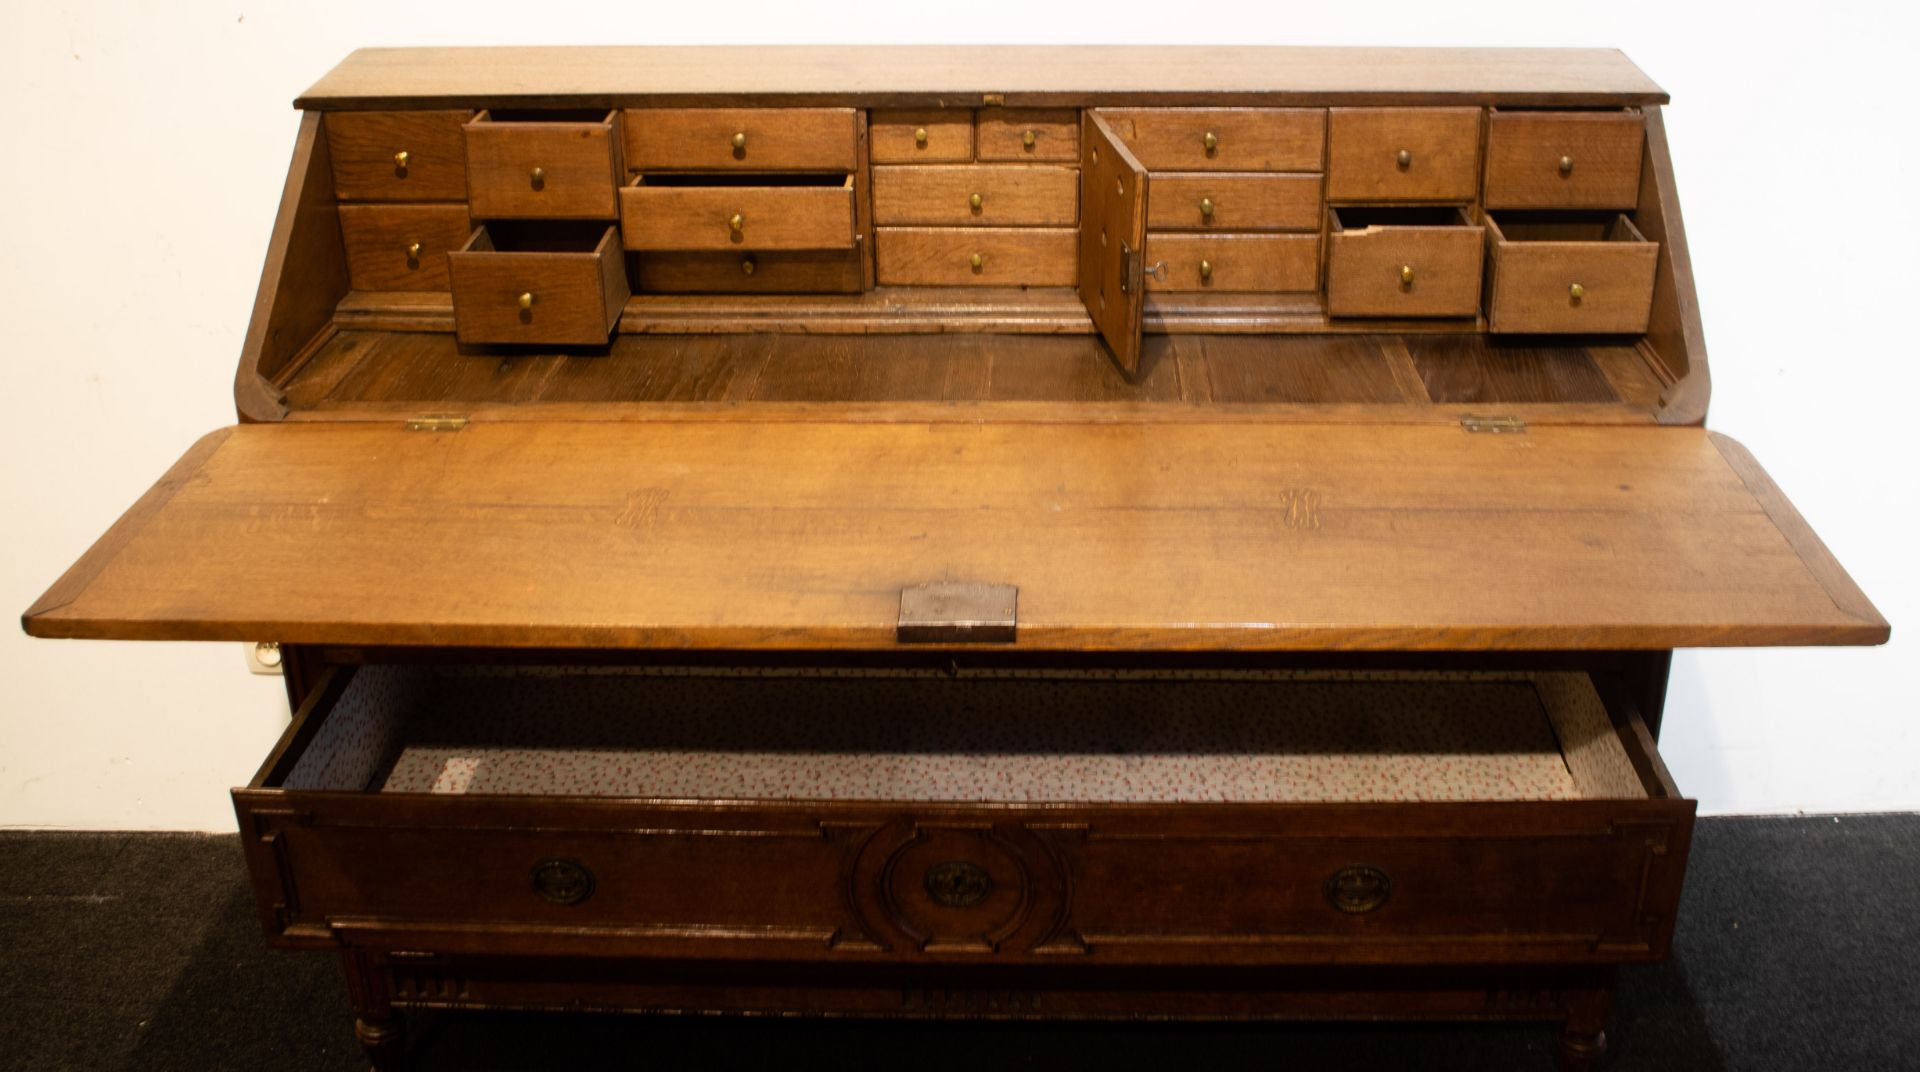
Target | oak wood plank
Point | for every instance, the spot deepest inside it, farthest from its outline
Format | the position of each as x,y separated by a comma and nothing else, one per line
1120,536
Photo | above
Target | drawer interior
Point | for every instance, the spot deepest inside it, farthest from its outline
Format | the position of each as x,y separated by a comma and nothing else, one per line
980,736
1360,218
704,180
538,236
1564,227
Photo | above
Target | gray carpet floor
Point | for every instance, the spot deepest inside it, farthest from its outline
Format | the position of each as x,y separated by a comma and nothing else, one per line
1798,948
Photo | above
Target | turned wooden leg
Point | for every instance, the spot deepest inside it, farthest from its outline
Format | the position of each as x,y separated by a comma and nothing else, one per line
385,1040
1583,1041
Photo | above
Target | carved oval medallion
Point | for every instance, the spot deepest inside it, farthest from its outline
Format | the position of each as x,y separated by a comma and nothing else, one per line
565,882
958,884
1358,889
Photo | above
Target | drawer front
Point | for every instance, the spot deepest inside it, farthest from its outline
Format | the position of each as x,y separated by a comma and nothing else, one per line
1563,159
977,196
976,256
398,156
1405,271
1403,154
1534,285
537,297
740,139
803,272
542,171
401,247
1239,263
737,217
1233,202
1223,139
921,136
1036,134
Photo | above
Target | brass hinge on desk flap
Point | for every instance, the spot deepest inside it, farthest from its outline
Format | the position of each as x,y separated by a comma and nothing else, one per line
1493,425
436,422
958,613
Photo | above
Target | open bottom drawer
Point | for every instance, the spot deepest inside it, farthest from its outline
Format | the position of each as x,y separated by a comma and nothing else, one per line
1272,817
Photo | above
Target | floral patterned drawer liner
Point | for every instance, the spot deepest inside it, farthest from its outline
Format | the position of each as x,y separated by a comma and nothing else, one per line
1252,737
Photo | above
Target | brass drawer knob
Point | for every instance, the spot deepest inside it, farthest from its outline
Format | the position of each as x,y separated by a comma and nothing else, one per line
977,261
1210,141
747,267
564,882
740,141
736,223
539,177
1406,275
413,251
1566,165
920,137
1206,207
1029,138
1206,269
974,202
1405,159
400,160
1576,292
1358,889
526,300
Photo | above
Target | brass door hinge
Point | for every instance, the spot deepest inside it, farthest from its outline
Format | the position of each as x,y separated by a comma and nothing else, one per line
1493,425
436,422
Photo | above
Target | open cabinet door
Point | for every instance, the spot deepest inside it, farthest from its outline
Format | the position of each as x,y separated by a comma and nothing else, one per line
1113,230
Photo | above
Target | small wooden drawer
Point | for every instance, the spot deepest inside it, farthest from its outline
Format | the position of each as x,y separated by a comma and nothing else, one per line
1373,819
1229,201
1403,154
1403,262
921,136
398,156
543,165
1037,134
977,256
1236,262
1223,139
1585,273
705,212
1564,159
561,284
741,139
401,247
790,272
980,195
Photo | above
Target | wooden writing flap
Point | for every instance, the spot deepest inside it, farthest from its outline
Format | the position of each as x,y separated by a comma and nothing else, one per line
801,534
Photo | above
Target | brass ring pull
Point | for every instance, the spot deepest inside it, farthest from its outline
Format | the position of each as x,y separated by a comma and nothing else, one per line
526,300
1566,165
1358,889
564,882
1406,275
400,160
1405,159
736,223
539,177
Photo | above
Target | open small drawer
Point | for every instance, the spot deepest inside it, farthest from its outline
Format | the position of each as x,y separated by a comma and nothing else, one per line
552,283
547,164
1258,817
1569,272
738,212
1416,262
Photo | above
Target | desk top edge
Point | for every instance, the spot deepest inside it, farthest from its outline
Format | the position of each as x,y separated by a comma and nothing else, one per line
961,75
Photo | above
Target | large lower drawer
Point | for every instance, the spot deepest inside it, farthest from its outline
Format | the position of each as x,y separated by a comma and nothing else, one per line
1305,817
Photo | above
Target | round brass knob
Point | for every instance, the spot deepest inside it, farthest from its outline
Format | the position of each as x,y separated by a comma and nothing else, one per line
526,300
740,140
1405,159
400,160
920,136
975,201
539,177
1029,138
1576,292
1210,141
1206,207
1406,275
1566,165
413,251
747,266
1206,269
976,261
736,222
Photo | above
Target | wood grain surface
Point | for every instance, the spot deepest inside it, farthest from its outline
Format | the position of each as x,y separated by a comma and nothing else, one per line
800,535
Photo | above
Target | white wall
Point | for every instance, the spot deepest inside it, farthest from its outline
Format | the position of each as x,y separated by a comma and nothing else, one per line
144,149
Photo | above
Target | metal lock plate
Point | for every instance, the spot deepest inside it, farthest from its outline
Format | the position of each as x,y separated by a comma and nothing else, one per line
966,612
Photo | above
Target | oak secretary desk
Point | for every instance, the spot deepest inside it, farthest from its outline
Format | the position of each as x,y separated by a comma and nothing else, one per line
983,532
